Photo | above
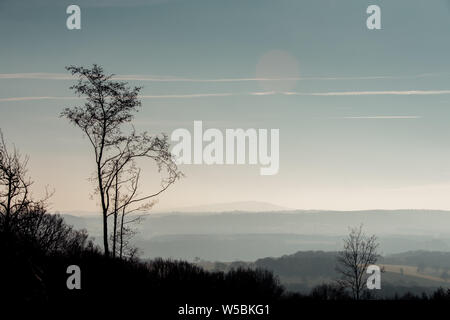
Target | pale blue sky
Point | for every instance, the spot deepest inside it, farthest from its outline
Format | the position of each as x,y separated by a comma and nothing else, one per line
349,151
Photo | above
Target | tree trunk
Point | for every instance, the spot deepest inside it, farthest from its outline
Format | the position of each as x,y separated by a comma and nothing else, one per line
103,201
105,233
114,234
104,211
121,234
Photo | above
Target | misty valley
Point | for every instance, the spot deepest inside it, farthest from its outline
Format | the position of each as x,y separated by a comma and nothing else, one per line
229,236
299,246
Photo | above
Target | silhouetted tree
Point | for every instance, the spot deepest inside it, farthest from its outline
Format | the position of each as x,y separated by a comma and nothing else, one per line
15,194
50,233
14,184
109,106
359,252
441,294
128,201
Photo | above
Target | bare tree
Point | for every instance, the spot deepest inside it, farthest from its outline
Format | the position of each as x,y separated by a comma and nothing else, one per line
16,203
51,233
14,184
124,189
109,106
132,202
131,206
126,194
359,252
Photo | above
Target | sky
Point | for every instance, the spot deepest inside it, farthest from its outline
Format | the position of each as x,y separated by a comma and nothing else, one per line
363,114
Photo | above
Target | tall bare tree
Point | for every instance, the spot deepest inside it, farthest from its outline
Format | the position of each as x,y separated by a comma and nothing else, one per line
359,252
109,106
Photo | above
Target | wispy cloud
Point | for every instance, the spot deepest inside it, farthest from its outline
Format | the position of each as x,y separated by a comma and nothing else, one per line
181,96
36,98
381,117
137,77
371,93
169,96
153,78
37,76
260,93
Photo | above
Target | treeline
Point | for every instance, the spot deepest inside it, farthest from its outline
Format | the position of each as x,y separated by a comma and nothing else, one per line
38,249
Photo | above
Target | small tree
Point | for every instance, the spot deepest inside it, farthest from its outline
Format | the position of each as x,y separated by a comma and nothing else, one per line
109,106
359,252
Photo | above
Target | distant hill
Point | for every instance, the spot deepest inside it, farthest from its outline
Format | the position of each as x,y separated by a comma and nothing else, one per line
241,235
420,258
247,206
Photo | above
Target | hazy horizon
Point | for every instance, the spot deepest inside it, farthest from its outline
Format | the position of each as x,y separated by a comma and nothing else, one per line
241,206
